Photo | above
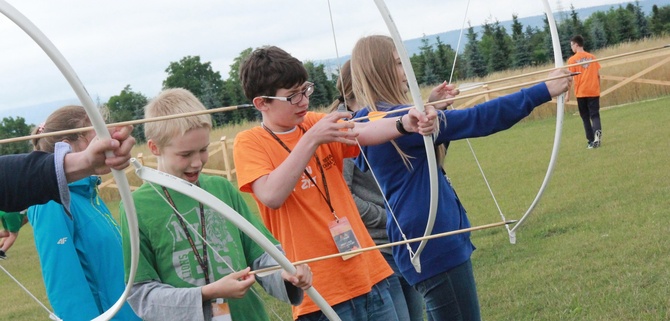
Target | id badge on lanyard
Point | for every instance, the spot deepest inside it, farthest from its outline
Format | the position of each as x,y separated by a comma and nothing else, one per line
344,237
221,310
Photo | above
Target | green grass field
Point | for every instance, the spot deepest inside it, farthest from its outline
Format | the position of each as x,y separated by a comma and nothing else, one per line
596,247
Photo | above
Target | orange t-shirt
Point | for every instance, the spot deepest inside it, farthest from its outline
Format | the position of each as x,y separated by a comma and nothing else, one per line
587,84
301,223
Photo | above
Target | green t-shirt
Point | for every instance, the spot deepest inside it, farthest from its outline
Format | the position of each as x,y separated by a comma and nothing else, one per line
166,254
12,221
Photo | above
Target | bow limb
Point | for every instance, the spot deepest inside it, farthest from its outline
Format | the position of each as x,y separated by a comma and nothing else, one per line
193,191
100,130
428,140
560,107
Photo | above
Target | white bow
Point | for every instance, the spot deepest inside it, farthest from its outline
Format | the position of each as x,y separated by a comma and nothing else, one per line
193,191
427,140
101,131
560,107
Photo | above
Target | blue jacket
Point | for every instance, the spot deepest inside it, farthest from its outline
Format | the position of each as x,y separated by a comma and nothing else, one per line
408,191
81,258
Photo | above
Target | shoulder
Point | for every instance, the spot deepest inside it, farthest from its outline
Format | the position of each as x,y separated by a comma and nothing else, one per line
249,136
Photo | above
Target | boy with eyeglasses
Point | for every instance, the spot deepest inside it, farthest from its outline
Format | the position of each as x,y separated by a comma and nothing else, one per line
292,165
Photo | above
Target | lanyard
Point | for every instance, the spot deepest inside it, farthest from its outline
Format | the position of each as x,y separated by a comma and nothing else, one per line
202,260
326,195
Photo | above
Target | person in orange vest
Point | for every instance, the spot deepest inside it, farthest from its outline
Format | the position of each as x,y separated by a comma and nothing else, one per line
587,90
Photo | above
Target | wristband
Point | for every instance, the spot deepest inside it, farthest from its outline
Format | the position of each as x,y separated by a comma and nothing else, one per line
400,127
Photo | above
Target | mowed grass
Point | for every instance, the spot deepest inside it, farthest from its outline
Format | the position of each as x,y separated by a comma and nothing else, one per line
595,248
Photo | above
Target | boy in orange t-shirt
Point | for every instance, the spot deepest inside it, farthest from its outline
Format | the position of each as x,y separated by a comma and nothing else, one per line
587,90
292,165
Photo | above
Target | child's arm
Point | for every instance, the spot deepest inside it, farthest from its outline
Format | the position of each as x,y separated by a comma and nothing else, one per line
232,286
282,285
273,189
382,130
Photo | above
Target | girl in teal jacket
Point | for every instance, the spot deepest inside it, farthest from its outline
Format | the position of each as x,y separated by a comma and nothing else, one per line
80,249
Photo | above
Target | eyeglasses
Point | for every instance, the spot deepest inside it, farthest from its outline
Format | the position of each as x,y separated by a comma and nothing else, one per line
296,98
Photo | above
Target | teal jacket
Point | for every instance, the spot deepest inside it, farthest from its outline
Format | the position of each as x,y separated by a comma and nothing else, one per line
81,258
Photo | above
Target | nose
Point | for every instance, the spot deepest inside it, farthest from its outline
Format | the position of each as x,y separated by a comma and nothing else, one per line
196,161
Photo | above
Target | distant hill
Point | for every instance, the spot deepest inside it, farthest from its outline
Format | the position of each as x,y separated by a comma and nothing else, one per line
37,113
451,37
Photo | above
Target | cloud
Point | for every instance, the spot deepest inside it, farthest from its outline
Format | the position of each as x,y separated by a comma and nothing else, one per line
111,44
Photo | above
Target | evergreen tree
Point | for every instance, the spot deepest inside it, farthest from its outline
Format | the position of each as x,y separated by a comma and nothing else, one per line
565,32
578,27
486,45
417,62
601,29
521,51
660,20
430,64
548,42
539,53
597,34
324,89
625,25
475,64
500,52
641,22
445,56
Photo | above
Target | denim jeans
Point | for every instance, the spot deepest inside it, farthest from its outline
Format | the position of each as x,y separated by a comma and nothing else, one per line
451,295
375,305
407,301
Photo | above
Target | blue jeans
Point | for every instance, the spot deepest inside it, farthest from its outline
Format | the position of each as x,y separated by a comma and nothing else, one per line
375,305
451,295
407,301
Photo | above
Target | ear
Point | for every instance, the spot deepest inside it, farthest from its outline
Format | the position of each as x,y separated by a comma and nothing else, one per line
260,103
73,147
153,147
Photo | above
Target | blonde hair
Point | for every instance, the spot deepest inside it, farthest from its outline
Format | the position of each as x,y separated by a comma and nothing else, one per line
64,118
169,102
375,77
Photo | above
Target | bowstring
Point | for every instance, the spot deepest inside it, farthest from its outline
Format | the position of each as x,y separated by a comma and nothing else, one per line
472,150
204,241
52,315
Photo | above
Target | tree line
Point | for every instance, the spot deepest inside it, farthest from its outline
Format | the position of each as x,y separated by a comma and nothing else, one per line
491,51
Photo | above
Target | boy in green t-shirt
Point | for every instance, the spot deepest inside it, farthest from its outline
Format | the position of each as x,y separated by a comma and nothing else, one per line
12,223
178,276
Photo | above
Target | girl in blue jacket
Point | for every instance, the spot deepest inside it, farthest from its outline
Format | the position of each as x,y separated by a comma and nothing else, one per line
446,280
80,249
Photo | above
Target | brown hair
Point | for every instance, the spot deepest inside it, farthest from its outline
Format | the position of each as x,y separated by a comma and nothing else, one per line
269,69
578,39
345,88
64,118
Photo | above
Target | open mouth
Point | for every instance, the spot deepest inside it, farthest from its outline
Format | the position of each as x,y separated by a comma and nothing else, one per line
192,176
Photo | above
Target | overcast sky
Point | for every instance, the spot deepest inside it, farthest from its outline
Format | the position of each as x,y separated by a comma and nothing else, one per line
111,44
